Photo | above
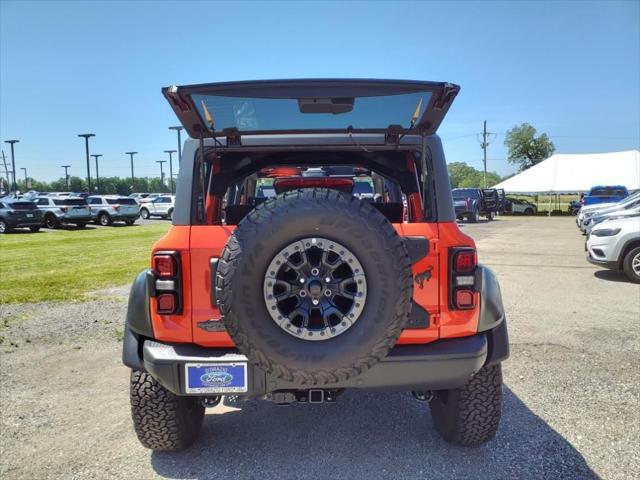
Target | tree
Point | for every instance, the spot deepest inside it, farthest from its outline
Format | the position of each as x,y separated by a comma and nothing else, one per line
525,149
462,175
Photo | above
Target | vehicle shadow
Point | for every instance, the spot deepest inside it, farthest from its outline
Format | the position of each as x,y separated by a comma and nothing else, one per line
71,227
367,435
611,276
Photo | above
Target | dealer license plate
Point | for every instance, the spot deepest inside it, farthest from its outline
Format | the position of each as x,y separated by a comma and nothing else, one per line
216,377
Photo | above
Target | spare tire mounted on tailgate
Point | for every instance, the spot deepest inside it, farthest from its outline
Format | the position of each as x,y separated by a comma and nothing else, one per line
314,286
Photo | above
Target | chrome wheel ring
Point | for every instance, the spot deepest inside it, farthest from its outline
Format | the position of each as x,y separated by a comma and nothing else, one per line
315,289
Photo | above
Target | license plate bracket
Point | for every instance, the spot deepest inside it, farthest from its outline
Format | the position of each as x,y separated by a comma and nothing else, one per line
216,377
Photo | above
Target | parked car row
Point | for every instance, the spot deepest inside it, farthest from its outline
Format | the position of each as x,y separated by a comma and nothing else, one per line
51,210
613,234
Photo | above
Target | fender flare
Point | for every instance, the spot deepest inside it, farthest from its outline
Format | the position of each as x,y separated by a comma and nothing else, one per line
138,324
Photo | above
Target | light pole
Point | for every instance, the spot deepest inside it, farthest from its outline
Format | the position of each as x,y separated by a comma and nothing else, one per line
133,178
66,174
170,152
96,156
25,178
178,129
86,137
13,164
161,170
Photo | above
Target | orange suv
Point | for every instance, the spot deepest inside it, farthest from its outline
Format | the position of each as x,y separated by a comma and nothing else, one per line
313,249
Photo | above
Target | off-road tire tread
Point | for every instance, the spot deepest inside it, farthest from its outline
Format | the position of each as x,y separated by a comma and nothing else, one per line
350,206
476,409
160,418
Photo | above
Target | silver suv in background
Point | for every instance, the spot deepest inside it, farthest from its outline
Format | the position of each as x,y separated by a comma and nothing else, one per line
107,209
158,207
61,210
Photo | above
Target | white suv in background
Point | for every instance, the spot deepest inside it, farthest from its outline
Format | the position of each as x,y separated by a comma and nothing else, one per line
161,206
615,244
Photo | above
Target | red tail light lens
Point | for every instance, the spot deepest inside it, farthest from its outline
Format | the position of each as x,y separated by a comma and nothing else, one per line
465,261
164,265
464,299
167,303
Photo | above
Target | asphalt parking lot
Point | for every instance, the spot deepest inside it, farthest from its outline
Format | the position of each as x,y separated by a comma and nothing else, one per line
572,389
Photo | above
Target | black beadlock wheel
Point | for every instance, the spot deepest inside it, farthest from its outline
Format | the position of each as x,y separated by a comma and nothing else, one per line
469,416
314,286
162,420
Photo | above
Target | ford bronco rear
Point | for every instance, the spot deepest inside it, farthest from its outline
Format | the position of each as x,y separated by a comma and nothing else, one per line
313,249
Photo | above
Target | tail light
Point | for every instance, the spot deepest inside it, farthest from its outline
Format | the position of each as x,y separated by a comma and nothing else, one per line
166,267
462,287
116,207
64,209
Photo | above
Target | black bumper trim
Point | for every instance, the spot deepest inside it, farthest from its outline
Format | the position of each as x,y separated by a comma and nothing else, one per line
603,263
443,364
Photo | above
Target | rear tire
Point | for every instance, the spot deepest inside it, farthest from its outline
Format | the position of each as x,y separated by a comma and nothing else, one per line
51,222
474,217
129,222
162,420
34,229
144,214
631,265
4,228
81,225
469,416
104,219
528,211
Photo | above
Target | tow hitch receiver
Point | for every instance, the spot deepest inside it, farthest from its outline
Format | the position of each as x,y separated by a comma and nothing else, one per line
303,396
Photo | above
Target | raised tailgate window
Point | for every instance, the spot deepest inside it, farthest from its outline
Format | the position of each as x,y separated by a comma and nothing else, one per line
121,201
268,114
70,201
23,206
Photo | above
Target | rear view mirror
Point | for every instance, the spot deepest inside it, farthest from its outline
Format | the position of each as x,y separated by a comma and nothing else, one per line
325,105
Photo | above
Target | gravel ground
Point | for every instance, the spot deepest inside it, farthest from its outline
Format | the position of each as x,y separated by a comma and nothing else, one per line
571,390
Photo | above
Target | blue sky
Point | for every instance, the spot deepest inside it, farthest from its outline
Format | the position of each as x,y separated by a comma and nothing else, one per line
571,69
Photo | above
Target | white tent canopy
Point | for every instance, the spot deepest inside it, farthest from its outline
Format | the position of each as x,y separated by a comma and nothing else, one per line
567,173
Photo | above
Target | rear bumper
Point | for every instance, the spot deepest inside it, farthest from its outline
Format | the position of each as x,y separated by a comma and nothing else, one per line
123,217
14,223
75,219
443,364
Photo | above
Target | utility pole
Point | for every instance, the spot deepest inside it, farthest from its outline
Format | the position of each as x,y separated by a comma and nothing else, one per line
14,187
96,157
133,178
66,174
86,137
25,178
484,144
161,170
178,129
170,152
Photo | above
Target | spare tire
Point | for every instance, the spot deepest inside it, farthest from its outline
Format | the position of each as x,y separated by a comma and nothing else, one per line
314,286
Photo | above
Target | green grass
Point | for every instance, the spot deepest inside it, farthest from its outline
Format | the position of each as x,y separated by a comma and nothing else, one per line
66,264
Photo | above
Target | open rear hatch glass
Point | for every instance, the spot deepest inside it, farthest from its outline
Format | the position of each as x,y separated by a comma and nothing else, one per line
232,109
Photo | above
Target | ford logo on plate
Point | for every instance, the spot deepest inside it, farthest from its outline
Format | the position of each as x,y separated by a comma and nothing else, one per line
216,379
